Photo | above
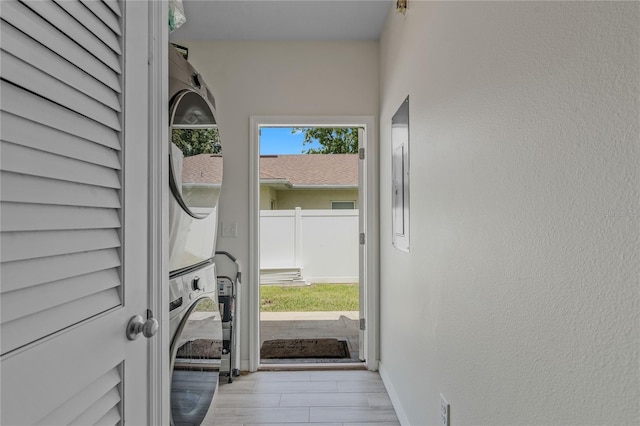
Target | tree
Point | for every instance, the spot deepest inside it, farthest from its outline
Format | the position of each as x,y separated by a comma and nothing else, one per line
332,140
196,141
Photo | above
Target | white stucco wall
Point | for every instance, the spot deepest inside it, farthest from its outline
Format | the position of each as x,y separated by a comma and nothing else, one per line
276,78
519,299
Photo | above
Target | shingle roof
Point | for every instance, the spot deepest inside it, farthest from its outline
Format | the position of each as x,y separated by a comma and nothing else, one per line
311,169
202,168
297,170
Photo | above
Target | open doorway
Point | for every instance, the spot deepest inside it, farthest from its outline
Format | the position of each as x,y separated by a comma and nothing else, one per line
309,245
274,203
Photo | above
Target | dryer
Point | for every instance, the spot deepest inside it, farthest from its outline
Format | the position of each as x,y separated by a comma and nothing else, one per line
195,325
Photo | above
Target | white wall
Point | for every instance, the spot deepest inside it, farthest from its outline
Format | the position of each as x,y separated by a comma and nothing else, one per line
276,78
519,299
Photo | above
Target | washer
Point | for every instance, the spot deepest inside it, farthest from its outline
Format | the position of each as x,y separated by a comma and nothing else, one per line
196,347
195,325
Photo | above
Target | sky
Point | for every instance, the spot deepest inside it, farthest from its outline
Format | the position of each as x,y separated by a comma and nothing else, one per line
279,140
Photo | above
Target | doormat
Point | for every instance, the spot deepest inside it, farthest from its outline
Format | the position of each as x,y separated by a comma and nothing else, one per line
200,349
304,348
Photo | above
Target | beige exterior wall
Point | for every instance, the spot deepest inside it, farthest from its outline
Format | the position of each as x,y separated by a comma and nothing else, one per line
266,195
312,199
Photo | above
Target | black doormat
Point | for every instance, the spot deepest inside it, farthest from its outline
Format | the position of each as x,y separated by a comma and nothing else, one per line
200,349
304,348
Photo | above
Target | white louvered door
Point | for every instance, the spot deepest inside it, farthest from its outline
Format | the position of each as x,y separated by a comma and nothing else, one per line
74,211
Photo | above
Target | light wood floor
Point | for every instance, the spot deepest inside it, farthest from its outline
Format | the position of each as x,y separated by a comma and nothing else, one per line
320,398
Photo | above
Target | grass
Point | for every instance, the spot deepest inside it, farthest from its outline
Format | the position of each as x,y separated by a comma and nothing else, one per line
311,298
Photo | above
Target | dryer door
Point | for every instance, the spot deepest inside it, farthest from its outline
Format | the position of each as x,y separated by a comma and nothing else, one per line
195,362
195,152
195,168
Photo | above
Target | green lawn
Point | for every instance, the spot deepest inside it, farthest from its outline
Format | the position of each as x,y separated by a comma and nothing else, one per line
311,298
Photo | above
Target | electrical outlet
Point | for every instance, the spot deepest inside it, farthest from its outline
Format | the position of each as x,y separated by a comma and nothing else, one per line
444,412
230,230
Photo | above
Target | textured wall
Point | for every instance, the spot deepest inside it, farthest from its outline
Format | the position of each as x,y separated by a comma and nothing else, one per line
276,78
519,299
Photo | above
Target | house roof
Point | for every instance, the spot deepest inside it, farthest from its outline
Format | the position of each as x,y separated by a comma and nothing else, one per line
304,170
311,169
202,168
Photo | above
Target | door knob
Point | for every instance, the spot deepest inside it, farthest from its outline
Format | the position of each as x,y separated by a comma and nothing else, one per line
138,325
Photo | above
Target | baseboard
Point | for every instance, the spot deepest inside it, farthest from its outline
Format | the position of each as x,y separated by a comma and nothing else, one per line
393,395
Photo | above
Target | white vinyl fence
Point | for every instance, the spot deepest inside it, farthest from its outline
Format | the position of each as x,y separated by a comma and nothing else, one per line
318,245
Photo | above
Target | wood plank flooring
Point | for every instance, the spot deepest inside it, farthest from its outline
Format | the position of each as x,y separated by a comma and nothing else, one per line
296,398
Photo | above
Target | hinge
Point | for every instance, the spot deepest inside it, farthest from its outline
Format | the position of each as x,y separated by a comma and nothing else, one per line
362,238
363,325
361,153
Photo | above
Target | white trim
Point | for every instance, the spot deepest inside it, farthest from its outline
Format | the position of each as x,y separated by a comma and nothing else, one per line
372,272
254,244
201,185
159,380
393,395
324,187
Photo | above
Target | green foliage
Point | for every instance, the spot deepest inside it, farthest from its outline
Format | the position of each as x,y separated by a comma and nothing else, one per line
196,141
205,305
332,141
312,298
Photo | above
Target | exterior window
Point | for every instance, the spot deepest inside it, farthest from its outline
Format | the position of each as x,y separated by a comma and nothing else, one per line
343,205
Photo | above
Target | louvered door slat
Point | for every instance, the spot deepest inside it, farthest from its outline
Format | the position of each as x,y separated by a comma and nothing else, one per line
64,414
24,104
54,360
60,19
91,22
39,29
114,6
33,217
41,324
32,189
18,159
21,74
34,53
98,410
24,302
30,245
112,418
23,274
105,14
20,131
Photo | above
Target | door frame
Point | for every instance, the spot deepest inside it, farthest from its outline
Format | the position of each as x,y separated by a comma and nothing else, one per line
369,187
158,205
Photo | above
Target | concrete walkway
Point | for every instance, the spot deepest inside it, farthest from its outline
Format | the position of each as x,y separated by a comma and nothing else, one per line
308,316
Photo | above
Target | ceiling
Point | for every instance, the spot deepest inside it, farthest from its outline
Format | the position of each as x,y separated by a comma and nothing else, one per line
283,20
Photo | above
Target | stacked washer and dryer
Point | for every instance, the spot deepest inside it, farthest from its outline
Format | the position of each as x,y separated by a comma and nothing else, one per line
194,314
